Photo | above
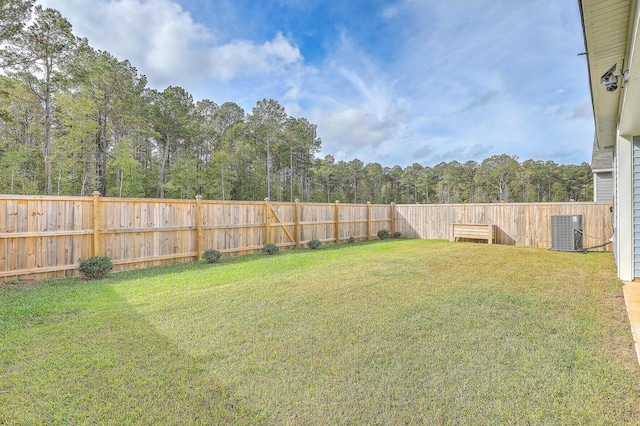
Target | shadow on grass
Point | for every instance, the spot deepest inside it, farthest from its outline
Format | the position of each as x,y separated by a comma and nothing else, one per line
117,370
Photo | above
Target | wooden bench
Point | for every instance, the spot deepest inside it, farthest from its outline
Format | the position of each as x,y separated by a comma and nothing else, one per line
462,231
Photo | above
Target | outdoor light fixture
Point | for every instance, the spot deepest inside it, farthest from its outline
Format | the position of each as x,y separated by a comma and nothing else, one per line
610,80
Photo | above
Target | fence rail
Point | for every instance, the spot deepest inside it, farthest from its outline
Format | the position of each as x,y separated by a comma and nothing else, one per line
43,236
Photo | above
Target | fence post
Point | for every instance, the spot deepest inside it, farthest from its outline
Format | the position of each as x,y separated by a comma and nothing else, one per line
368,220
96,223
199,236
297,232
337,222
267,221
393,218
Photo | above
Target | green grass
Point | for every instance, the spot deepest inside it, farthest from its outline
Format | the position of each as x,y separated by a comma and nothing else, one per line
397,332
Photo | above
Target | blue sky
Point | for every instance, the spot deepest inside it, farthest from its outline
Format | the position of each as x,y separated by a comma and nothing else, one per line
394,82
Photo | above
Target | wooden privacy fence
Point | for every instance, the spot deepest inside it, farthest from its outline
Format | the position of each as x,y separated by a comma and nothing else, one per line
43,236
520,224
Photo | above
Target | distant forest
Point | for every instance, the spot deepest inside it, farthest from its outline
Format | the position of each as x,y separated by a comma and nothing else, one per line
74,120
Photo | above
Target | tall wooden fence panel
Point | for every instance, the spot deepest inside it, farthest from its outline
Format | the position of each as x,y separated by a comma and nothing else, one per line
353,221
233,227
519,224
47,234
43,237
144,232
317,222
282,223
382,217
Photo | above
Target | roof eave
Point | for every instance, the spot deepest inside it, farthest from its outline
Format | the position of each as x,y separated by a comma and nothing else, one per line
605,27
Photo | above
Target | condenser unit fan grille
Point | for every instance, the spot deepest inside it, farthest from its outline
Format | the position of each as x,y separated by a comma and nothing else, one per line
566,232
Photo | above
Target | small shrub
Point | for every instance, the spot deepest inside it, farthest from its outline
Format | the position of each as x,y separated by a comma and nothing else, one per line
211,255
95,267
314,244
351,240
397,234
383,234
270,249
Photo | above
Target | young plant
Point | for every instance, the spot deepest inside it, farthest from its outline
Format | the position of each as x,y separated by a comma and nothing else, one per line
270,249
397,234
314,244
95,267
383,234
211,255
351,240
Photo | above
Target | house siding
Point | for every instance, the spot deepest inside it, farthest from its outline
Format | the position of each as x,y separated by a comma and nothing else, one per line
636,208
603,188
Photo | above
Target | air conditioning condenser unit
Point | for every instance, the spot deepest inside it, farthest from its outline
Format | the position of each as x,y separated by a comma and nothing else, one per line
566,232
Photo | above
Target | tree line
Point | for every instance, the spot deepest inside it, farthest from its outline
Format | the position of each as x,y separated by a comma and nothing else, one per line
74,120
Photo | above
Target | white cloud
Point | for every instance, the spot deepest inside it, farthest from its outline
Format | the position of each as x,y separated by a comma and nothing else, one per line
390,12
165,42
583,111
374,94
356,132
246,58
353,127
433,154
357,110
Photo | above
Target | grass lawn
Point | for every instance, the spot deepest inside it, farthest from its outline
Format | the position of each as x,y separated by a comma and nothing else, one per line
397,332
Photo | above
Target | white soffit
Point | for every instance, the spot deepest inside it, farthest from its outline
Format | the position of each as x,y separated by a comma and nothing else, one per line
630,115
606,26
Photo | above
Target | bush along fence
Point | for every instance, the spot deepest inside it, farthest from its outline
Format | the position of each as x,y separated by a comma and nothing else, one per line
45,236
